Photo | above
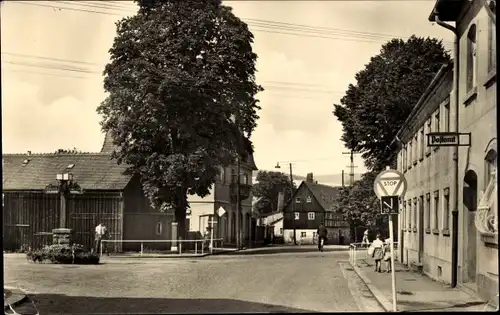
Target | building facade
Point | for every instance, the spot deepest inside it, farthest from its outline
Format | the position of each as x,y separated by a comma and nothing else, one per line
426,221
310,206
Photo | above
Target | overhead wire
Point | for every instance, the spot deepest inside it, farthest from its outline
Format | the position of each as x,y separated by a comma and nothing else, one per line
259,25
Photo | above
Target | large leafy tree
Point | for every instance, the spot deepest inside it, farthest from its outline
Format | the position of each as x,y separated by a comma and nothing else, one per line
268,187
179,71
374,109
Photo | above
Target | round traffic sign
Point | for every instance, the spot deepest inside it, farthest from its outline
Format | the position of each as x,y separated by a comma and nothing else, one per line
390,183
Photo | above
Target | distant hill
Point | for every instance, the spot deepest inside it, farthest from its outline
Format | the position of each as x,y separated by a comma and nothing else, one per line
326,179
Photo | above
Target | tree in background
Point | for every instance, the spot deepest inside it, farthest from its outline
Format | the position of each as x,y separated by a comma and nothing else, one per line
179,72
374,109
361,207
268,187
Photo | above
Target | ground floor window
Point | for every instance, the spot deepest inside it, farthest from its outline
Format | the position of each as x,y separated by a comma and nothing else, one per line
486,216
303,234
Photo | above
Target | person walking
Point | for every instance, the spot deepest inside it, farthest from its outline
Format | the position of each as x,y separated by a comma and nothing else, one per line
322,232
378,253
387,255
365,242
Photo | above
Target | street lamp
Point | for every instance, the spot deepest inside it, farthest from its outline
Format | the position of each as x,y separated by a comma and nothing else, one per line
64,179
292,201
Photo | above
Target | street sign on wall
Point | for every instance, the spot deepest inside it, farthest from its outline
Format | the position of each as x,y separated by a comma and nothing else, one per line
221,211
390,183
448,139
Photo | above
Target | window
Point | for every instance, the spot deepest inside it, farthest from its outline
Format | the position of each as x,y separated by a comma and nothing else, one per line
447,117
233,176
159,228
297,200
421,211
222,175
436,122
429,130
415,150
244,179
281,230
314,235
486,216
409,214
428,212
308,200
310,216
471,58
492,38
405,167
410,154
446,210
303,234
297,215
436,211
404,215
422,143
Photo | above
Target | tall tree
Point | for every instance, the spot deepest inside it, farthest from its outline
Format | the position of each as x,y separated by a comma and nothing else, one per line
179,71
374,109
268,187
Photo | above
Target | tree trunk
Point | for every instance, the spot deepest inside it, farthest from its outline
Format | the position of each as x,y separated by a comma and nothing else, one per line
180,213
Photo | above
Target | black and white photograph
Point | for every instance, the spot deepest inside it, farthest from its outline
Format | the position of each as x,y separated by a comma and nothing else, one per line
249,156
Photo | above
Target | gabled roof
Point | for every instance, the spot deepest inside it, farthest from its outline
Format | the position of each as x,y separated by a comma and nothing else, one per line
447,10
324,194
91,171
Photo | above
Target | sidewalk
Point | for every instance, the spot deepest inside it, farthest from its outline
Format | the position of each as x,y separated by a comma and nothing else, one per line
415,291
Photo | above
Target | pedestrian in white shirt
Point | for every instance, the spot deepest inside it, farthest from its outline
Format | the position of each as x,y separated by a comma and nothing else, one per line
100,232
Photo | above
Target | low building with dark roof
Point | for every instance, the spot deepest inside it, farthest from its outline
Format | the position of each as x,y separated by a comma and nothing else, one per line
105,194
311,205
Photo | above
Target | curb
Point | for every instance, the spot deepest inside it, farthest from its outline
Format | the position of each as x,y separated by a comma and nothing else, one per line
15,302
381,299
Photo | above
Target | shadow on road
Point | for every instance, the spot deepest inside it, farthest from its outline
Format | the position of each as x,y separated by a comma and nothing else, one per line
63,304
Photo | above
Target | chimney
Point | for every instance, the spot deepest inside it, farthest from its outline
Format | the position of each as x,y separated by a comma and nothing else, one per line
29,152
281,201
309,178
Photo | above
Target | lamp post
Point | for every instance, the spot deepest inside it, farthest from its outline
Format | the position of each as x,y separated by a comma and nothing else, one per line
63,180
292,201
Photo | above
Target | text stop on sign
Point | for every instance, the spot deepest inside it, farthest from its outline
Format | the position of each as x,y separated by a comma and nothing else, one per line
390,183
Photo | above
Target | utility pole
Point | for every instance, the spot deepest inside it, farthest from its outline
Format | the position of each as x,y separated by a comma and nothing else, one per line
292,202
351,166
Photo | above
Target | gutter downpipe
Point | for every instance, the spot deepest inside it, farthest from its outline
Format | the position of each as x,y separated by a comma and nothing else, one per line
454,212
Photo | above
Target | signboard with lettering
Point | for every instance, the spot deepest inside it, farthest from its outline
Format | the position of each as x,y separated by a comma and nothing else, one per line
390,183
448,139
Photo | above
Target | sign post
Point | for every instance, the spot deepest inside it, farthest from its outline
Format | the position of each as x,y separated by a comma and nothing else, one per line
220,212
389,186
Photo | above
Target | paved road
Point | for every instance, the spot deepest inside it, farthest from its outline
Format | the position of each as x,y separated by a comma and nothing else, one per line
286,282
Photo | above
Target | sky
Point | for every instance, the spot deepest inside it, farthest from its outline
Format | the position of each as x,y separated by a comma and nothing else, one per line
308,53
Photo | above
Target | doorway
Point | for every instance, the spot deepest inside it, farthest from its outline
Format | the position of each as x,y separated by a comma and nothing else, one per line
470,206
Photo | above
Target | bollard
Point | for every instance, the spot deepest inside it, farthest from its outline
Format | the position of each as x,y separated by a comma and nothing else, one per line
100,249
142,247
195,247
180,248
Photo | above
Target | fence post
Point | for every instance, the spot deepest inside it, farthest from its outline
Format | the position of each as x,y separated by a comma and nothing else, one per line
100,249
355,258
202,246
195,247
180,247
142,247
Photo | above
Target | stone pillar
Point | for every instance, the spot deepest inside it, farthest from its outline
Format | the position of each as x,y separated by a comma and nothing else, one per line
62,236
173,248
244,233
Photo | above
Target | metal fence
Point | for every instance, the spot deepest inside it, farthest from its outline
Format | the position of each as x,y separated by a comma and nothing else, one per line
200,246
359,251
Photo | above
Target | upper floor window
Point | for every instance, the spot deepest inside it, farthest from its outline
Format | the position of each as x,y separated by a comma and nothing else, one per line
244,179
447,117
308,199
222,175
410,153
297,200
437,122
492,40
311,215
429,130
471,57
422,143
415,150
405,165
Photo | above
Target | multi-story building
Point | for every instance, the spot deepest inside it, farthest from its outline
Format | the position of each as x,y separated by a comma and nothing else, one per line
461,102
